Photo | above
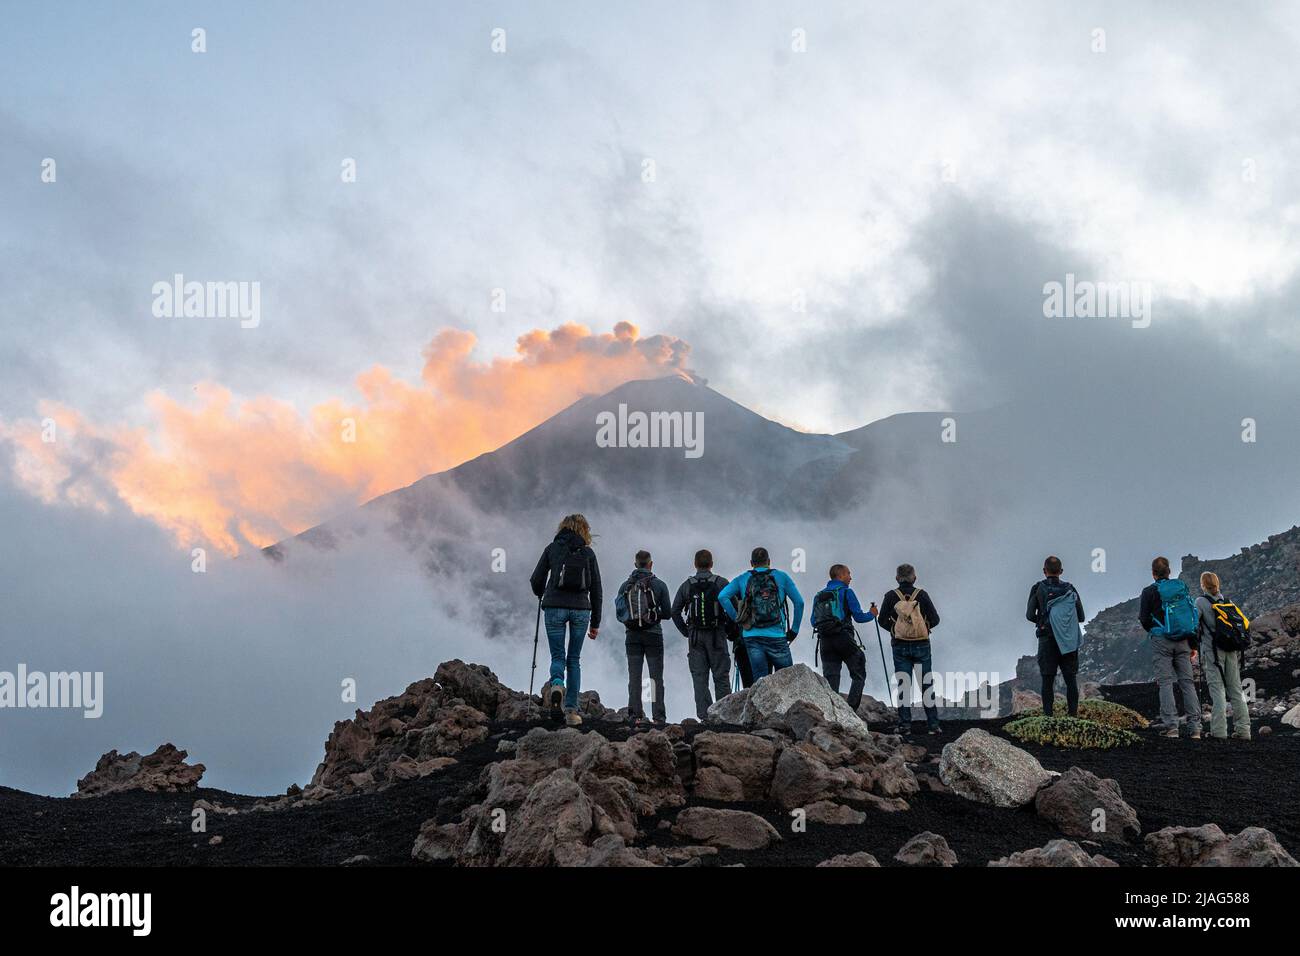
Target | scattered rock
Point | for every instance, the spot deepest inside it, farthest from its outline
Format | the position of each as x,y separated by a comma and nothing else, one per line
357,860
1292,717
1055,853
988,769
215,841
926,849
851,859
729,829
733,767
1072,800
1208,845
163,771
824,811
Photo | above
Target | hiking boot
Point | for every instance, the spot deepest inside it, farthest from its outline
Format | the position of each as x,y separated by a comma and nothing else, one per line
934,730
1170,732
572,718
555,696
1196,733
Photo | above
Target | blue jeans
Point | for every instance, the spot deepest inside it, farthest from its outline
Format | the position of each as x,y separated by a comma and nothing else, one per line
906,657
558,619
767,654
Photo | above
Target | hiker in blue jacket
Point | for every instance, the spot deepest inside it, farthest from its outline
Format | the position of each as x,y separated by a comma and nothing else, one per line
836,638
1167,614
1056,651
766,627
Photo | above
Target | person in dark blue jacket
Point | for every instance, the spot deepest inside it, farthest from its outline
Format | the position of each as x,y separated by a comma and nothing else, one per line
839,645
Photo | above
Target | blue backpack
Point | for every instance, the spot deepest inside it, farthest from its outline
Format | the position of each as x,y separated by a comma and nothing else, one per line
1063,617
1178,609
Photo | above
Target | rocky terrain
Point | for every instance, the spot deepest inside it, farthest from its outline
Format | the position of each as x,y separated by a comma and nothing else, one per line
461,770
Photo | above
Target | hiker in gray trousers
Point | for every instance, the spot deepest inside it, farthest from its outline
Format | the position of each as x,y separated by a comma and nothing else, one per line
1171,659
1222,668
699,617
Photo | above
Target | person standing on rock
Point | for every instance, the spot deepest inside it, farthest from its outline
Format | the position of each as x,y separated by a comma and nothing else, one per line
1169,617
1223,632
834,610
910,616
767,626
641,605
567,583
1058,648
699,616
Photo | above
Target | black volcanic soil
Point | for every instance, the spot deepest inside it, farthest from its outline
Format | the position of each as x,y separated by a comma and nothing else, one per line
1168,782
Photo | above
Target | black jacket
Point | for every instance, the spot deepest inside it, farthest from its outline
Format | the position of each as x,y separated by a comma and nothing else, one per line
684,595
887,616
552,558
1036,612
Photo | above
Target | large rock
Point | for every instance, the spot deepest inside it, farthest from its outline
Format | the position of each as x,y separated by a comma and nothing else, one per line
729,829
987,769
926,849
163,771
1055,853
733,767
767,702
803,778
1072,802
1208,845
555,812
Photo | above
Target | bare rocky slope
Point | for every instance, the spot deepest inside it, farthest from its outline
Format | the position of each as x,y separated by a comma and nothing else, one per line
461,770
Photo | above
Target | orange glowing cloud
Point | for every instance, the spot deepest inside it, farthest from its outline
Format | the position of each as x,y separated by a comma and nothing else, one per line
228,473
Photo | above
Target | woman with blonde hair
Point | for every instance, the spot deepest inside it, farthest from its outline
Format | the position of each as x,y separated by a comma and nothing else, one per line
567,584
1221,664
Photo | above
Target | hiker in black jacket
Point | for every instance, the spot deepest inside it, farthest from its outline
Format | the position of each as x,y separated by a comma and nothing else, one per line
1050,658
567,582
910,644
699,617
641,605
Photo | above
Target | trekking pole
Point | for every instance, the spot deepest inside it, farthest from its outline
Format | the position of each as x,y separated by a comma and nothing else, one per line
883,665
537,630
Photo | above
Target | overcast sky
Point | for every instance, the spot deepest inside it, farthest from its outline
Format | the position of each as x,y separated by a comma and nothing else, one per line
914,173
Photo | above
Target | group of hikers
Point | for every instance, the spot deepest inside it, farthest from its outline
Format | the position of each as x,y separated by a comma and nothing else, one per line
751,621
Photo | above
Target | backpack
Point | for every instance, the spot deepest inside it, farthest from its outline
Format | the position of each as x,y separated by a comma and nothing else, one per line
571,575
762,606
1179,610
702,611
909,622
642,605
1229,626
1062,617
829,615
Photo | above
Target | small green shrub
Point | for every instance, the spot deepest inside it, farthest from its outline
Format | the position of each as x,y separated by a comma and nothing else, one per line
1073,732
1103,712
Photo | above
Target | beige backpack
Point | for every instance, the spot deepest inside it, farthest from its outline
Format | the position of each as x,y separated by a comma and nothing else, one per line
909,623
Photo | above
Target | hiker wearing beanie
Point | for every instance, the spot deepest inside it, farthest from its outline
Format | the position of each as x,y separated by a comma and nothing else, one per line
834,610
641,605
1224,635
1169,617
699,617
567,584
1056,611
909,615
767,626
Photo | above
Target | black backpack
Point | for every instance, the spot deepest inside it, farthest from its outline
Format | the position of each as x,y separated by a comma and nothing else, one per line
829,613
1231,628
643,609
702,611
571,575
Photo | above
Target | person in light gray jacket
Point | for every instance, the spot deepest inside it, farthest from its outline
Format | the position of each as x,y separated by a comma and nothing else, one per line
1222,668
